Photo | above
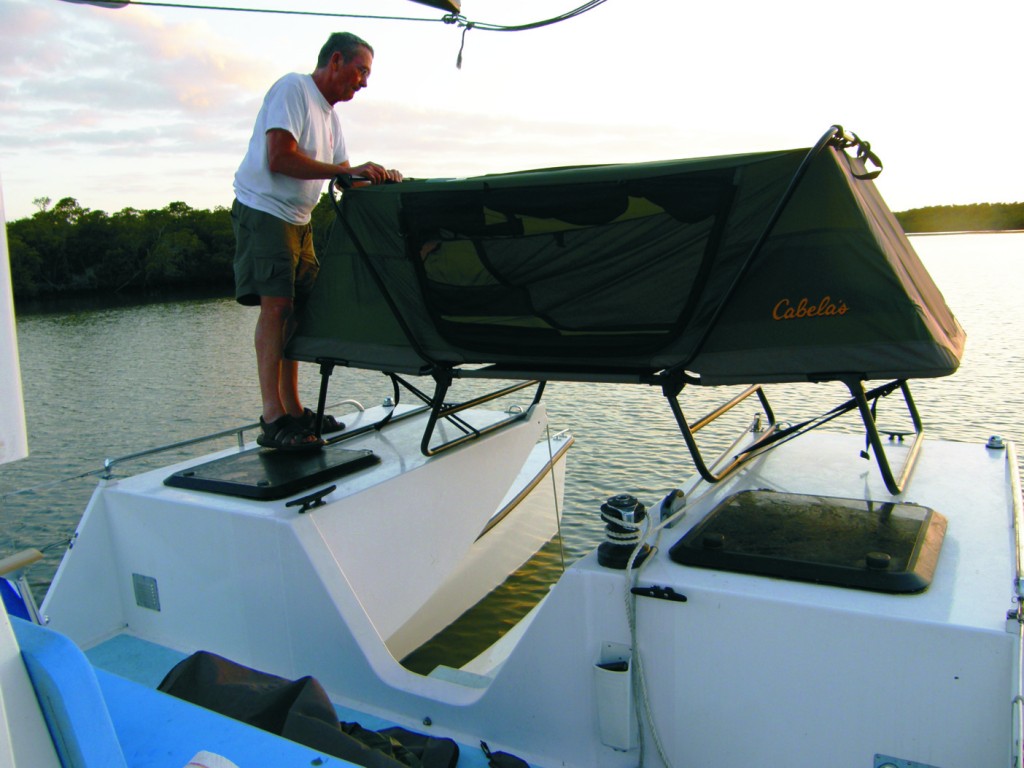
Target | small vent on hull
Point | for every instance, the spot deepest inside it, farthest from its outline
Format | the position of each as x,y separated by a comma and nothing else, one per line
146,593
884,761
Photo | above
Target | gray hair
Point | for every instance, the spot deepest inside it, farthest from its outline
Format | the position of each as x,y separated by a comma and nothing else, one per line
344,43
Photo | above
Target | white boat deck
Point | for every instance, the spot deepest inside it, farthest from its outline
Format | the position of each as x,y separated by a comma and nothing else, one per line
973,585
397,446
758,656
762,658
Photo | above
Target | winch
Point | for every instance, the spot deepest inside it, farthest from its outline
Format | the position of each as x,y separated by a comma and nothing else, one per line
623,516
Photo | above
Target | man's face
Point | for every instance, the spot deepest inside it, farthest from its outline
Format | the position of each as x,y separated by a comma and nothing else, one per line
352,75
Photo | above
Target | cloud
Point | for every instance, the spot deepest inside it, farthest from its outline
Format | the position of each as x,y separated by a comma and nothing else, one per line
433,142
119,65
139,104
83,94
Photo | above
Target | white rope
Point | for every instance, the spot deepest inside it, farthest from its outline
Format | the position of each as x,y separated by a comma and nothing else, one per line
630,535
636,667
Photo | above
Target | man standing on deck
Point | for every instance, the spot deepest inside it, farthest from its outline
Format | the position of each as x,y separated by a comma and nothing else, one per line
296,144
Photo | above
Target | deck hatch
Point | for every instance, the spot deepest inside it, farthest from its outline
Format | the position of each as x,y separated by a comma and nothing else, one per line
878,546
268,475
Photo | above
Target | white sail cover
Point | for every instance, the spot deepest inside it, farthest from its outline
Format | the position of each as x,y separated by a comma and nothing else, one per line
13,438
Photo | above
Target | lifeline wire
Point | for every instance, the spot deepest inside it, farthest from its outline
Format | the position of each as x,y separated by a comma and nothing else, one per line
554,493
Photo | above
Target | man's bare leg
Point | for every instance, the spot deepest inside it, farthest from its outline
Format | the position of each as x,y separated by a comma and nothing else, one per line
271,327
288,387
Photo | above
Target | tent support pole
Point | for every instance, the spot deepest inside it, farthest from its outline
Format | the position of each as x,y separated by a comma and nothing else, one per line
673,387
439,409
895,488
326,369
671,391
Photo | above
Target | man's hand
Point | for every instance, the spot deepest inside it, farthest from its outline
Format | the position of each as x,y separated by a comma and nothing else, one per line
375,174
283,157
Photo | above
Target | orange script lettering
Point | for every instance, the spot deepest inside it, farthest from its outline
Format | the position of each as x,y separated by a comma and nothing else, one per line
785,309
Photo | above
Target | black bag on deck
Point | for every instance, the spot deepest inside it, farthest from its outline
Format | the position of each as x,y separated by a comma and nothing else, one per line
299,710
502,759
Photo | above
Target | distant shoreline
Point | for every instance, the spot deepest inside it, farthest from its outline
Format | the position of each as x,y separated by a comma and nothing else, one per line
968,232
950,219
66,254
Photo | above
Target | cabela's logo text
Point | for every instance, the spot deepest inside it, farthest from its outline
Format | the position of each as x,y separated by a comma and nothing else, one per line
787,310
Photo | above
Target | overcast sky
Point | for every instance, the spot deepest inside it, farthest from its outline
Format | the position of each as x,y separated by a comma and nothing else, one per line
143,106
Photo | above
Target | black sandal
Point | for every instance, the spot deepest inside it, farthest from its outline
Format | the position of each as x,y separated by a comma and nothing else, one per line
330,424
288,434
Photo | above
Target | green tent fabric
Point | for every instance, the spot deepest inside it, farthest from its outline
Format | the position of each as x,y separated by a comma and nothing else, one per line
764,267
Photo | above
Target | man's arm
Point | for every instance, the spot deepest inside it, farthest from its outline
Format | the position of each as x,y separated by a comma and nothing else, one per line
283,156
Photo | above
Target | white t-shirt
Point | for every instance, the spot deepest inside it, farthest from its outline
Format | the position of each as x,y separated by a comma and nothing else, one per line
294,104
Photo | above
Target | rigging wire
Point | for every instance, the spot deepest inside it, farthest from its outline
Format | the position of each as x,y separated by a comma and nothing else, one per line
450,18
279,11
536,24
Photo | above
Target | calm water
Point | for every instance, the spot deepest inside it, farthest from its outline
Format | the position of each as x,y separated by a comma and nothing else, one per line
108,382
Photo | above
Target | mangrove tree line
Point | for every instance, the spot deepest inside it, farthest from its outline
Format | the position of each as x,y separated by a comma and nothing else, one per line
65,249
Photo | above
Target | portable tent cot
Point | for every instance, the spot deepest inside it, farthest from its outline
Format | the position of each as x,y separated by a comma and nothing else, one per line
767,267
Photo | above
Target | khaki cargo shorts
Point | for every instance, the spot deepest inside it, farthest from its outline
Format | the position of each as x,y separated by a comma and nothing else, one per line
273,257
